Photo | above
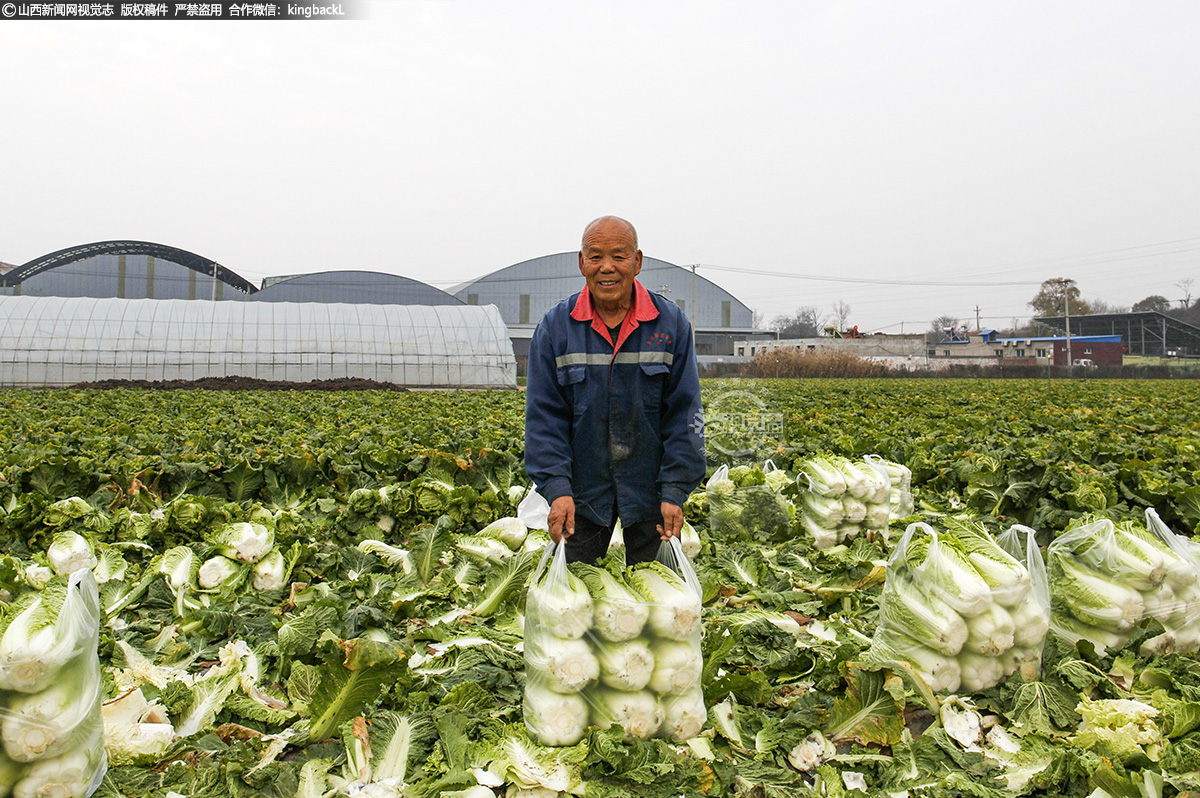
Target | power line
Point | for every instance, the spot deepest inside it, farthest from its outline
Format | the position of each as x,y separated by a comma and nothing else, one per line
1066,259
864,280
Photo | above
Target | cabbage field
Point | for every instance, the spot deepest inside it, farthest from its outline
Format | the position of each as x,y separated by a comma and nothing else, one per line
297,601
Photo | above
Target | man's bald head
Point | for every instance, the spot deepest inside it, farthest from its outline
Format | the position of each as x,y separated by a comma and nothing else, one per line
610,219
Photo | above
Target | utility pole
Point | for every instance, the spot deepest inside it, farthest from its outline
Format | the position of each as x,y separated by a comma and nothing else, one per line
693,316
1067,304
977,325
1065,284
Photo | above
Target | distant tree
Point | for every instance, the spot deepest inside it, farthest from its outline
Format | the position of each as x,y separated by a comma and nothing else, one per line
1052,297
1155,302
1189,315
806,322
758,319
1100,306
939,325
1185,285
841,313
1019,329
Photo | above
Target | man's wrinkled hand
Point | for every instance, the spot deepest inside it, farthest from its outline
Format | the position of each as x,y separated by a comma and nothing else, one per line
562,518
672,525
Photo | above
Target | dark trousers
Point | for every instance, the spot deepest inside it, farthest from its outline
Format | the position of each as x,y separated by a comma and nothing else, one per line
590,540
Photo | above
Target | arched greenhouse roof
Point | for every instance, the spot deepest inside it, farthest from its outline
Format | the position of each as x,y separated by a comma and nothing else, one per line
56,341
377,288
63,257
526,290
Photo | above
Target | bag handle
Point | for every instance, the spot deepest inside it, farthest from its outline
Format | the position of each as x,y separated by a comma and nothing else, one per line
670,554
1156,527
901,550
718,475
552,549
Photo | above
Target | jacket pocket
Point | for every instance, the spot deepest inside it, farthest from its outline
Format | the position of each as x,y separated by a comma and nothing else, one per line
654,377
573,379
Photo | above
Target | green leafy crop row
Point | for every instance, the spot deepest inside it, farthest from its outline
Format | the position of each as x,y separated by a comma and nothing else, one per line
418,633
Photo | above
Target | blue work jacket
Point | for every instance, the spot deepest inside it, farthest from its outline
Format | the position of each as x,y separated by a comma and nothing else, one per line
614,423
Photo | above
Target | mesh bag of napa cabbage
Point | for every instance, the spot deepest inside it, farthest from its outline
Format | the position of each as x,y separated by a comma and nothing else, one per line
50,721
1109,580
961,609
612,645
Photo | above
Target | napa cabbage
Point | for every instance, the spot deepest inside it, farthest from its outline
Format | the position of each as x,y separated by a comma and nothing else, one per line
777,480
674,607
823,537
859,483
381,753
74,773
907,610
562,605
990,632
243,541
825,510
509,531
947,573
689,538
962,722
482,548
69,551
564,666
554,718
625,665
810,752
517,761
638,713
220,572
136,731
45,631
47,723
617,613
678,666
1120,728
1008,578
270,573
1092,598
941,672
854,510
823,476
684,715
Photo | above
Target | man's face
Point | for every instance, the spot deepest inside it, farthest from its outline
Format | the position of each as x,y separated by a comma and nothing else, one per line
609,261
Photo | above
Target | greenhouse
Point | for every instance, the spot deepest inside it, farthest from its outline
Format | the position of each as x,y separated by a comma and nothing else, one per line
58,341
357,287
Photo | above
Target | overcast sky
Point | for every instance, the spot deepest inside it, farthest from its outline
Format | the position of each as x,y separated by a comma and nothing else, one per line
927,141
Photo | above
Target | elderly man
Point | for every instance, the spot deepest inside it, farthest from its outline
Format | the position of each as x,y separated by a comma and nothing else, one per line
613,424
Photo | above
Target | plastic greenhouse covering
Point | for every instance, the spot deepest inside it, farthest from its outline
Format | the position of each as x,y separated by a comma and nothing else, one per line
56,341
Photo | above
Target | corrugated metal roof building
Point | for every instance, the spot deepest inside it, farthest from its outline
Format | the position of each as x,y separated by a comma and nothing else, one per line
356,287
127,270
525,291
